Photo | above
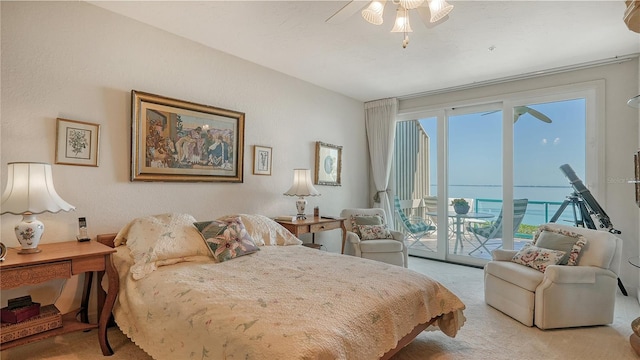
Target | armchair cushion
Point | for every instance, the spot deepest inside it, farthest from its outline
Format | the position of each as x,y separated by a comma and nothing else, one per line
516,274
364,219
372,232
381,246
553,238
537,258
599,250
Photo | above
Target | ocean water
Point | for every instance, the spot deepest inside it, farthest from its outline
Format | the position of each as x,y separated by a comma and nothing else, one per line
544,201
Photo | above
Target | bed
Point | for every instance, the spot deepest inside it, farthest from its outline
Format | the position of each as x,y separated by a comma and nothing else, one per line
278,301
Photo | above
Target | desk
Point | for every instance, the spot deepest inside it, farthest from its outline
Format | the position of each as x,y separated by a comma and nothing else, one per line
314,225
57,261
458,220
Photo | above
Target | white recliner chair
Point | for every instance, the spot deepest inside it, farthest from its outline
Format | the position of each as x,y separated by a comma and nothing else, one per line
561,296
388,250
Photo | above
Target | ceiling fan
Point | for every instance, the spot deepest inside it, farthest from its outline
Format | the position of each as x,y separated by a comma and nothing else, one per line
430,11
521,110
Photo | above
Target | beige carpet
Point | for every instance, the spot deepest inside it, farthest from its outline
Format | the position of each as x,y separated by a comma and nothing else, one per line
487,334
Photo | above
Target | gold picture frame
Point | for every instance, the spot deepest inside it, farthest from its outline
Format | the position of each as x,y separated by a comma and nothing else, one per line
262,160
328,164
77,142
176,140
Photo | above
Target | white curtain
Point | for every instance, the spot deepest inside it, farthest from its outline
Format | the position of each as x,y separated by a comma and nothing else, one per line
380,123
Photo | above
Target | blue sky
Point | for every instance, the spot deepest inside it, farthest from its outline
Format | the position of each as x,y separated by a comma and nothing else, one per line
475,146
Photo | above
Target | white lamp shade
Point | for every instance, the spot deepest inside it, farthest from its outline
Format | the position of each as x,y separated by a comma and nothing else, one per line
30,190
402,21
410,4
302,184
373,12
439,9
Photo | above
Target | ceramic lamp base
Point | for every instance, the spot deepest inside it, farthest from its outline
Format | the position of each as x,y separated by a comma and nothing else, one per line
29,232
301,204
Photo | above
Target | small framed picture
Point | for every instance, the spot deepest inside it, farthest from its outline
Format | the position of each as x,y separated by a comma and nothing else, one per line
261,160
77,142
328,164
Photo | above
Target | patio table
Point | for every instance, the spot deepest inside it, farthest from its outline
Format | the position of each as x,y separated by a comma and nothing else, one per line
458,220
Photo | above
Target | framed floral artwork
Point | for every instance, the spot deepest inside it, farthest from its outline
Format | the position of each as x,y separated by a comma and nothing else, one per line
176,140
261,160
77,142
328,164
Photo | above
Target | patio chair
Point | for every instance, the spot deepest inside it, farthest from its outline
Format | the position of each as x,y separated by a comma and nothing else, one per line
415,227
494,231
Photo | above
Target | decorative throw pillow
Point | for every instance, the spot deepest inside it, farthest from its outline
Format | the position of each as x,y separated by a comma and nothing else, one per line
364,220
537,258
552,238
226,239
265,231
371,232
161,240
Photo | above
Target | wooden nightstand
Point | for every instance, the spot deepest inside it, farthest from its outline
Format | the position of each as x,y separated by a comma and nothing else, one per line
315,224
58,261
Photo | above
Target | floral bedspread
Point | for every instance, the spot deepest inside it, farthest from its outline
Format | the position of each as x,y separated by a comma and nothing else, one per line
283,302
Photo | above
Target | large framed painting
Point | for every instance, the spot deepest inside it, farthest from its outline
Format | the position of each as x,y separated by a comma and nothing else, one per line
328,164
77,142
175,140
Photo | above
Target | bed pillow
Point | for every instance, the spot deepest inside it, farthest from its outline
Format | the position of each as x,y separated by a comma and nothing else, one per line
372,232
266,231
552,238
537,258
163,239
357,220
226,239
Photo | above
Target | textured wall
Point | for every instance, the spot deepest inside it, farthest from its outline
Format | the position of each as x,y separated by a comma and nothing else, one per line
77,61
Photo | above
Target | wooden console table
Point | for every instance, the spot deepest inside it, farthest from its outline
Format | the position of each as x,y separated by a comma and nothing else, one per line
315,224
58,261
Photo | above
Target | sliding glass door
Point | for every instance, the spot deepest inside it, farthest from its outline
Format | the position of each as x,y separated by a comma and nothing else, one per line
503,158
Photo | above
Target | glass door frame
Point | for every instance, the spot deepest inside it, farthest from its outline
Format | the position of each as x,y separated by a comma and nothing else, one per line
592,91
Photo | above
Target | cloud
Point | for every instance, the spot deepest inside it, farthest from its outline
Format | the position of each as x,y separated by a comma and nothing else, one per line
556,141
544,141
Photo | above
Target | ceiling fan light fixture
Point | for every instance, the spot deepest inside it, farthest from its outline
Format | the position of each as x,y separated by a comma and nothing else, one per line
373,13
439,9
410,4
402,21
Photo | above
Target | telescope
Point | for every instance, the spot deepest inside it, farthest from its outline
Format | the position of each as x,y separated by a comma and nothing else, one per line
582,200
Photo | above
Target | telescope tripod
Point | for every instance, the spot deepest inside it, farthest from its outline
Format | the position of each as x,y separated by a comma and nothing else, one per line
585,220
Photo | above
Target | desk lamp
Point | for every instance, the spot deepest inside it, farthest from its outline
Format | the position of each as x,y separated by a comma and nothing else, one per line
302,186
29,192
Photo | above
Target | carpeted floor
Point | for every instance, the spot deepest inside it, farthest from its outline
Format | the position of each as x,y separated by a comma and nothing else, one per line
487,334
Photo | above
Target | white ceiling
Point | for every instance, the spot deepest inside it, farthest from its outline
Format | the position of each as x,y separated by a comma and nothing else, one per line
367,62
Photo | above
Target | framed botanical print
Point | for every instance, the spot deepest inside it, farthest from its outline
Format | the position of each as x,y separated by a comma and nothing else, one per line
328,164
176,140
77,142
261,160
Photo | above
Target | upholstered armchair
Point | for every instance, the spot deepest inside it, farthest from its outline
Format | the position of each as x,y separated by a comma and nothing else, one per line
557,296
368,237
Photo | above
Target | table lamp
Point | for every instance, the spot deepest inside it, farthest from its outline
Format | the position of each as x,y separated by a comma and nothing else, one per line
302,186
29,192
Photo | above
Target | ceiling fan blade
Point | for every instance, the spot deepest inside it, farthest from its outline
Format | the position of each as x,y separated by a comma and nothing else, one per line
537,114
346,12
491,112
